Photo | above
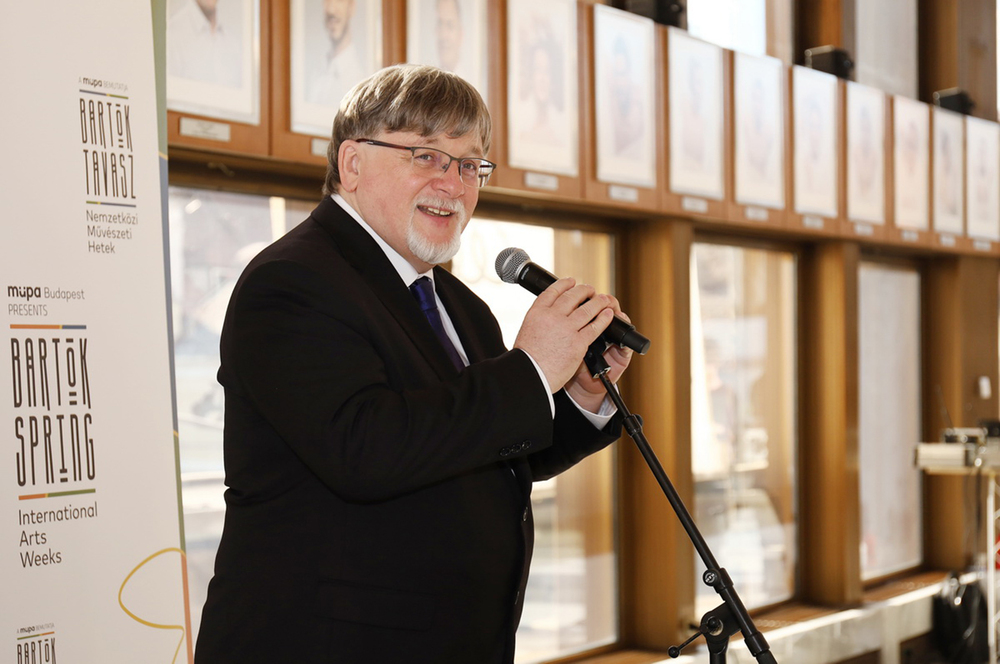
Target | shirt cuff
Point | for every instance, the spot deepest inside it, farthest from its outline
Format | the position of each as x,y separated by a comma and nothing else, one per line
603,415
599,419
545,383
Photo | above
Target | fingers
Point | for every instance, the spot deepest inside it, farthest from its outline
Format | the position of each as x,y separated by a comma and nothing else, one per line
549,296
591,312
566,297
561,324
619,355
597,324
579,302
588,311
566,300
618,311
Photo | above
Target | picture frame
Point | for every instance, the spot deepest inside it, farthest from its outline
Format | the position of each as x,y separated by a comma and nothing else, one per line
625,111
542,89
948,170
323,66
450,34
911,163
982,169
696,126
865,153
815,155
759,130
213,60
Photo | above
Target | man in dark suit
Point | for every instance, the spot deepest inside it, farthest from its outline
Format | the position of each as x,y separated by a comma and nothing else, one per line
379,478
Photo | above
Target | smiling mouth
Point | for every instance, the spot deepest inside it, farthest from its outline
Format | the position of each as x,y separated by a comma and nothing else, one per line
435,211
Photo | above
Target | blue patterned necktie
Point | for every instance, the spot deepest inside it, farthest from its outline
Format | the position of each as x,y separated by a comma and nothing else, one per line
423,291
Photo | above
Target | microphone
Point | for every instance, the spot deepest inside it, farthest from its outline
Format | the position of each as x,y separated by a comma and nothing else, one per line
514,267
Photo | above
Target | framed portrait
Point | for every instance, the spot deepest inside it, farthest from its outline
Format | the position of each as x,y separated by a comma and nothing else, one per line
865,153
695,98
949,208
758,106
814,103
450,34
213,59
911,122
623,85
334,46
982,179
542,97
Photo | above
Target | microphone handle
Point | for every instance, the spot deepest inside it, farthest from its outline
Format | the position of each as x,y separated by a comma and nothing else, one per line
535,278
620,332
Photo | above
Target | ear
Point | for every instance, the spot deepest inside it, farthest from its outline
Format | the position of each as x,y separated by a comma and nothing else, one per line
349,164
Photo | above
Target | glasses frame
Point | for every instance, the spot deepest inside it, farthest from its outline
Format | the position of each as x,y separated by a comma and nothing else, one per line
481,181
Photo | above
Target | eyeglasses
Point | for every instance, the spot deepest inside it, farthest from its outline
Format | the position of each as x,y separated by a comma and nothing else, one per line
431,162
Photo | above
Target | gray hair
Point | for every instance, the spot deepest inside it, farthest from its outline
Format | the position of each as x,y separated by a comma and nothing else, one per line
415,98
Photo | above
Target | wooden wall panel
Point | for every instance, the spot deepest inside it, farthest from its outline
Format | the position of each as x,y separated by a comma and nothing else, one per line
828,442
960,338
957,49
657,557
824,23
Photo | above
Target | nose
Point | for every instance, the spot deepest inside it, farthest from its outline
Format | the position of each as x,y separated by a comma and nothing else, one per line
450,180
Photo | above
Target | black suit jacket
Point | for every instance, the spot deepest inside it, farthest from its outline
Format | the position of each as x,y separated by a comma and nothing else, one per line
378,504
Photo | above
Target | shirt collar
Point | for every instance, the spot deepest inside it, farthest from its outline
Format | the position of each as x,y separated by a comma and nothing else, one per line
406,272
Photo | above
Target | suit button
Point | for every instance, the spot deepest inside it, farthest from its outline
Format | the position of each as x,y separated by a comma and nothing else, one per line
524,517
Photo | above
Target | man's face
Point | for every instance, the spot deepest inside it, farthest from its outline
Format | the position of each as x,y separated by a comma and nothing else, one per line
421,218
337,14
449,34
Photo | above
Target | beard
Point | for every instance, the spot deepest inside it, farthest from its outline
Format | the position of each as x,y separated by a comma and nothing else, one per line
435,253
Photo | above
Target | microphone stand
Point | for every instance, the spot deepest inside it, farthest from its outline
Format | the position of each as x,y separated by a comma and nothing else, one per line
729,617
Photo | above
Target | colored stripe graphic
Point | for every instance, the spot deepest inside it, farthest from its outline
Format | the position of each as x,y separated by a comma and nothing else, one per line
128,205
16,326
103,94
55,494
36,636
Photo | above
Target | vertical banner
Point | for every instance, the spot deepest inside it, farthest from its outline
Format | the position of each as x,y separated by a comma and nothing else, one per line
90,529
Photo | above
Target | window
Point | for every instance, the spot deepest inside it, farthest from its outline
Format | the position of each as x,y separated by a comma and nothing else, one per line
754,27
738,25
743,401
213,235
889,418
571,599
885,40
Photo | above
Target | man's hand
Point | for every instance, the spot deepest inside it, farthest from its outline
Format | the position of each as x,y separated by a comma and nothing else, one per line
588,392
559,327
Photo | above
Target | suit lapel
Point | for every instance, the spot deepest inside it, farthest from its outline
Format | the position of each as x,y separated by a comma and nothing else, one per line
364,254
471,331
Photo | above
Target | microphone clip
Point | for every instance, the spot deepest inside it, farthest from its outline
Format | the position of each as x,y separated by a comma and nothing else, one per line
594,359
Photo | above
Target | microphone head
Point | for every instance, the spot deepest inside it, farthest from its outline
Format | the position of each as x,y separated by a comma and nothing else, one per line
509,264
